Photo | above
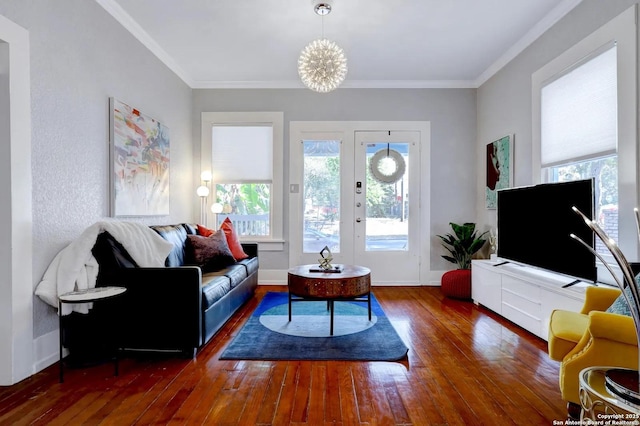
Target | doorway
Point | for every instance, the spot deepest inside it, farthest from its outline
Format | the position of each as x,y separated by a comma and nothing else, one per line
358,193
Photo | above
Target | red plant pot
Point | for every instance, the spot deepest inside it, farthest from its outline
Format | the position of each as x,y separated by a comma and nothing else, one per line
457,284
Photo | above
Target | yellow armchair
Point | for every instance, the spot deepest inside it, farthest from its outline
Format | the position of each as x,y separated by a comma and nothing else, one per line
590,338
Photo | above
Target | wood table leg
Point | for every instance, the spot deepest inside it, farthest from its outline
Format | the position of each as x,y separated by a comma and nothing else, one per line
60,326
331,303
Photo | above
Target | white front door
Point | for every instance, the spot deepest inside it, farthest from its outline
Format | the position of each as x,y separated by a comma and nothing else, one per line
386,197
365,217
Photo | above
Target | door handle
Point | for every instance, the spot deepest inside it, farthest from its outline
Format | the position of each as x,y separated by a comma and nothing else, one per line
358,220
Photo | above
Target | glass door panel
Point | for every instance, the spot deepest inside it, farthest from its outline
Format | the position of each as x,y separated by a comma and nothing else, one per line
321,196
387,198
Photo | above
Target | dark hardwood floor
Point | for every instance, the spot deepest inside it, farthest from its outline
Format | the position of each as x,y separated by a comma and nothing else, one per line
466,366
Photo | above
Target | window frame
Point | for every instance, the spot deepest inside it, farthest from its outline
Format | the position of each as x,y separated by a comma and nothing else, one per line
275,120
621,30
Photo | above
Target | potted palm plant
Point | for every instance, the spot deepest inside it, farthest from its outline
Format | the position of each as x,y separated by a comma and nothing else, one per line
461,245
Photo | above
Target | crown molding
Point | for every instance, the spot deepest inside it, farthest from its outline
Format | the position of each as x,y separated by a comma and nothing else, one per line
348,84
120,15
532,35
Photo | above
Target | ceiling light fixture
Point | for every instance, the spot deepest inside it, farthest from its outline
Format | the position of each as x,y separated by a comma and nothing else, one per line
322,65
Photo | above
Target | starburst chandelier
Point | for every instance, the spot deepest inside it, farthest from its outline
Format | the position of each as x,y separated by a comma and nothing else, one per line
322,65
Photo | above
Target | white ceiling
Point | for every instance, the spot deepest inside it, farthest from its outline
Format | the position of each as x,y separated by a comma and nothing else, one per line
393,43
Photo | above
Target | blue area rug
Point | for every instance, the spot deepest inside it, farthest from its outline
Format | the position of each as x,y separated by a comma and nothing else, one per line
268,334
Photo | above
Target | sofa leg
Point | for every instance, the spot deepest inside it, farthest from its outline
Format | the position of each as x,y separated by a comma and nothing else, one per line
574,410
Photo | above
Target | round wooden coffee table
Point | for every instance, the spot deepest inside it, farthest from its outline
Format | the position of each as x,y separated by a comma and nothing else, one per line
351,283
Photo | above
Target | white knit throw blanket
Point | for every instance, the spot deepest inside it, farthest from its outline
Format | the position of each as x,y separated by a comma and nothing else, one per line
75,268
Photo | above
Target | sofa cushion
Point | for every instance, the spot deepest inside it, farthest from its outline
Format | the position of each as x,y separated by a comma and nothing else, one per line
176,235
250,264
236,273
210,253
214,286
111,256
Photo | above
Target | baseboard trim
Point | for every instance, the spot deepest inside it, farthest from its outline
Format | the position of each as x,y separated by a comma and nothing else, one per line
46,351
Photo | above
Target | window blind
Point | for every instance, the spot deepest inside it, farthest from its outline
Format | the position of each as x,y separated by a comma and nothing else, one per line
579,112
242,154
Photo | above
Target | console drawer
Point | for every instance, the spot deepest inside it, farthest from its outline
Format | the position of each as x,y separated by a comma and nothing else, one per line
521,303
523,319
522,288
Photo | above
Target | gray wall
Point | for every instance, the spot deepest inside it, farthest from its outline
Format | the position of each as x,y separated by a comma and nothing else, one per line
452,113
80,56
504,101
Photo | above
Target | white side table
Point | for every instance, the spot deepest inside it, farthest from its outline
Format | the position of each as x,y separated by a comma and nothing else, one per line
87,296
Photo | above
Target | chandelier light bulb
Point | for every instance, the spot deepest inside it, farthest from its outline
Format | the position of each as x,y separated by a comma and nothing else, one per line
322,66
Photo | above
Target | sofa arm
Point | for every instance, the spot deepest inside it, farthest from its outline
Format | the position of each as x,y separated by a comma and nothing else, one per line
251,249
162,308
618,328
599,298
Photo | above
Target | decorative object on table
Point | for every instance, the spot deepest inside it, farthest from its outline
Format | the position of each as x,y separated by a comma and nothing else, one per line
325,259
499,160
461,245
268,335
322,65
387,165
139,162
628,284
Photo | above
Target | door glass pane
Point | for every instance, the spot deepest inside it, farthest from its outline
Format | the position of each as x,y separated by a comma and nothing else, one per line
321,195
387,194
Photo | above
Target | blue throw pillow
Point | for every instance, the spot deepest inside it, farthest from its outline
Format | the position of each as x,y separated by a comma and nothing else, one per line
620,305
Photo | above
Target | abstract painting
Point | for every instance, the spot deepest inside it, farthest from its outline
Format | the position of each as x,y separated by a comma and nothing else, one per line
499,168
140,163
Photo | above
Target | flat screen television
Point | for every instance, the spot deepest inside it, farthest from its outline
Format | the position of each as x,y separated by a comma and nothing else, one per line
535,223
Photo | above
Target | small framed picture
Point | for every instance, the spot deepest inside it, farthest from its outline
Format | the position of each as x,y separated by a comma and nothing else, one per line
499,158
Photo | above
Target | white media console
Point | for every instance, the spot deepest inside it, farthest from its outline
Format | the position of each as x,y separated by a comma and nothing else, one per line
524,295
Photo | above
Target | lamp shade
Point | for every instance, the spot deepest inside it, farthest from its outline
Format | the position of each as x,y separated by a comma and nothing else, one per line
216,208
202,191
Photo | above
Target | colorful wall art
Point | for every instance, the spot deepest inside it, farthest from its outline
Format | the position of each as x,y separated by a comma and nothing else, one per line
140,163
499,168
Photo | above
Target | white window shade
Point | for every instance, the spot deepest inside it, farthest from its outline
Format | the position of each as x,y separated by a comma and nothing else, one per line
242,153
579,112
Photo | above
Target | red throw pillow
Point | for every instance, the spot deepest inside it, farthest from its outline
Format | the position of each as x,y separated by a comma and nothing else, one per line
205,232
232,240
